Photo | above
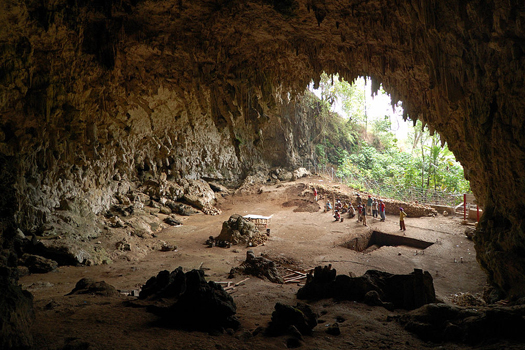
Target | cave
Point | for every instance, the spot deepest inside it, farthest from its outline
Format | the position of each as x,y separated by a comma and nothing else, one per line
96,97
376,239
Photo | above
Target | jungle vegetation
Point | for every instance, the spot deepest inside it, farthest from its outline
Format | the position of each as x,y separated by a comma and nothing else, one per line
366,151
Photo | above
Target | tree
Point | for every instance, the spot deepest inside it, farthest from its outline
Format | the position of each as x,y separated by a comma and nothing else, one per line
376,161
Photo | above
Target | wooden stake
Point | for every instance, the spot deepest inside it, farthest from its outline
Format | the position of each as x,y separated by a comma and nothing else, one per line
244,280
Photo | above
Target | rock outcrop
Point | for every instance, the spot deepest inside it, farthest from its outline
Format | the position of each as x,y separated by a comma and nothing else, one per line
190,302
374,288
16,312
291,319
442,322
237,230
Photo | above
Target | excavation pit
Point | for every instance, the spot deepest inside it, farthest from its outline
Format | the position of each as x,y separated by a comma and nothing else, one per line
374,240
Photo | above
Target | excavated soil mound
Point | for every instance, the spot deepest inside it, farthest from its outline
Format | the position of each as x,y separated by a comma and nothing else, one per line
303,205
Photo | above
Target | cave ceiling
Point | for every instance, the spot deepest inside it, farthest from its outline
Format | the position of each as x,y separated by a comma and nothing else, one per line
442,59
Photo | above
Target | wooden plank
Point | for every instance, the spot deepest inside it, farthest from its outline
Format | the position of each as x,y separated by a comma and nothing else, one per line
244,280
294,280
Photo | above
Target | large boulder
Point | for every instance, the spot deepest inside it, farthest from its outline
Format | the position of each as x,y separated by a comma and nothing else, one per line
162,188
301,317
38,264
191,302
65,251
92,287
198,194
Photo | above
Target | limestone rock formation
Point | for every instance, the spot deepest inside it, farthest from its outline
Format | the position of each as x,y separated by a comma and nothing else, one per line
38,264
16,312
442,322
98,99
237,230
391,291
192,303
301,318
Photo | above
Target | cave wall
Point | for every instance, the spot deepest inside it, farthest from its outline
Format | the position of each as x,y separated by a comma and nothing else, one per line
84,112
96,93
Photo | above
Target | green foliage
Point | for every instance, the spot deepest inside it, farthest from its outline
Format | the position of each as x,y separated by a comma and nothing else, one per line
372,161
336,137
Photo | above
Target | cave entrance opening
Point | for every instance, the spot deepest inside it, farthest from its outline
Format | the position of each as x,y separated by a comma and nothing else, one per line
376,239
366,133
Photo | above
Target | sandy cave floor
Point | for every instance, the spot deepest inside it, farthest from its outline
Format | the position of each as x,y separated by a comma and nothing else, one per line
298,239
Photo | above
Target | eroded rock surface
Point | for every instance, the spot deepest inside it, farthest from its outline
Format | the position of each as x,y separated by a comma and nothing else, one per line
192,303
96,98
292,319
375,288
441,322
237,230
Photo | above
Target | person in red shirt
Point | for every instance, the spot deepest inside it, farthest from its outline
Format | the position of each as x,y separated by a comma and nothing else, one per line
382,210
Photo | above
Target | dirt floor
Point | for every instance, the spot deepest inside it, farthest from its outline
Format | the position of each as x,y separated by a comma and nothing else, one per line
301,237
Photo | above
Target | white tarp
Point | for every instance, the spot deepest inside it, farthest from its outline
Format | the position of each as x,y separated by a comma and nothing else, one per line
255,217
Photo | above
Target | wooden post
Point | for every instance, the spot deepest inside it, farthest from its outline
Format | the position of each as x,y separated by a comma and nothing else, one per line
465,207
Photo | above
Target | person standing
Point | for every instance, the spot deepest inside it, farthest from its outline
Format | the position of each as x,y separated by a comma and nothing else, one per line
358,200
369,205
382,210
402,216
364,217
374,208
315,194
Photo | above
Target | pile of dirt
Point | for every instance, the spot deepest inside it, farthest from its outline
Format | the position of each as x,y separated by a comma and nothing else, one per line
303,205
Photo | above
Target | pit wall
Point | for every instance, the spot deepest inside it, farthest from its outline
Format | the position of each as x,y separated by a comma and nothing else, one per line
365,240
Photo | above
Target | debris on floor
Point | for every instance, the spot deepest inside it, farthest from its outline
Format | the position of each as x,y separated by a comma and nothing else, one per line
258,266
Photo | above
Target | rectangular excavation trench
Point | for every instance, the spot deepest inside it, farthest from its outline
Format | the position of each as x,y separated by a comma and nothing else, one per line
376,239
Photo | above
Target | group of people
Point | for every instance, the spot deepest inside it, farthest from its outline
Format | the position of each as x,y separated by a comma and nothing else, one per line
372,206
340,208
